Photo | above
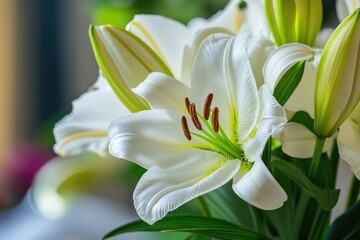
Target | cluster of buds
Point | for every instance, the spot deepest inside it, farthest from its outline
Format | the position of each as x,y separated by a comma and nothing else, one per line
294,20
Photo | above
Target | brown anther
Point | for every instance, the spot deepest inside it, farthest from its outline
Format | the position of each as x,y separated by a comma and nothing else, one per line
187,104
207,105
215,119
194,117
185,128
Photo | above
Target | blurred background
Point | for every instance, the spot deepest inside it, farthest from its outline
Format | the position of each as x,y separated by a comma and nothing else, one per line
46,61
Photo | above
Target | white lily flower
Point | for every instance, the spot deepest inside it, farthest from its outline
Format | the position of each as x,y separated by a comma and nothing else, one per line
349,141
85,129
186,160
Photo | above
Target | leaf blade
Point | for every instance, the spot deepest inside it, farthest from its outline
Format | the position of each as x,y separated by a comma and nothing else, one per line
205,226
326,198
289,82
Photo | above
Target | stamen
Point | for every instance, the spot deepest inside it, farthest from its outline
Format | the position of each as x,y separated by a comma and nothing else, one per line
207,105
187,104
215,119
185,128
194,117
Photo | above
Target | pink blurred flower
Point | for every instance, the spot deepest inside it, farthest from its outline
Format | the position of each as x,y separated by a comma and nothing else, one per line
21,164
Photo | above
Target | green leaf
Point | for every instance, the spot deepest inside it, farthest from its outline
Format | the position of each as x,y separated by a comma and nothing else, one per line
125,60
205,226
197,237
289,82
266,156
223,204
347,226
326,198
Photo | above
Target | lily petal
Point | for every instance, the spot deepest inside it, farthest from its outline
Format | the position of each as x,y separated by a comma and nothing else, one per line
150,138
349,145
272,117
230,18
160,191
298,141
209,79
255,19
85,128
282,59
345,7
259,188
154,31
192,47
242,85
259,50
163,92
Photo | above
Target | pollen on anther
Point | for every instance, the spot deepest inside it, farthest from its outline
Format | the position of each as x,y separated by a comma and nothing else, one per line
187,104
215,119
185,128
194,117
207,105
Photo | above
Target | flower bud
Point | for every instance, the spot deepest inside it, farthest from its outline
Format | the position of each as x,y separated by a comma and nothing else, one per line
125,61
337,88
294,20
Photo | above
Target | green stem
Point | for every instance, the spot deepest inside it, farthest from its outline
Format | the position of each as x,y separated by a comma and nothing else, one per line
314,164
318,225
353,193
204,207
304,196
334,159
299,214
259,220
254,216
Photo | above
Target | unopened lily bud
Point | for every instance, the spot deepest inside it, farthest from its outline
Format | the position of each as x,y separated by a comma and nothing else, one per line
125,60
337,89
294,20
